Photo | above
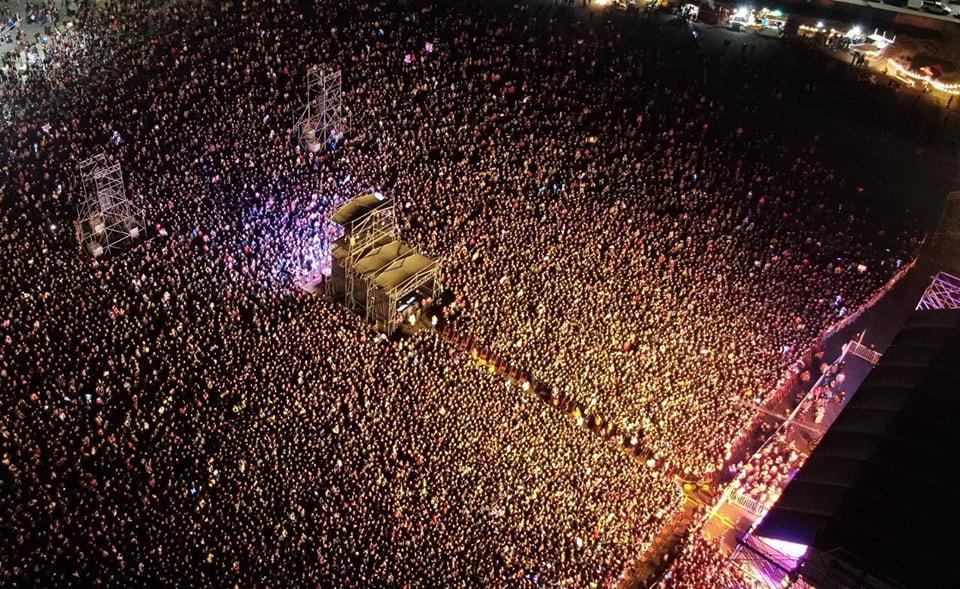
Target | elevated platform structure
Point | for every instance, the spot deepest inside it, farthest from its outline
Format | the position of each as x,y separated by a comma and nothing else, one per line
321,121
943,293
373,272
107,219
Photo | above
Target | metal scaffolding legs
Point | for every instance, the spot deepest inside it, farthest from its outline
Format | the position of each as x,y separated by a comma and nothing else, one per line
322,120
106,218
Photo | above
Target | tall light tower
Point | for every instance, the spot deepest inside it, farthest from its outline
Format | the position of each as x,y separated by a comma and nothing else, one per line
106,218
322,119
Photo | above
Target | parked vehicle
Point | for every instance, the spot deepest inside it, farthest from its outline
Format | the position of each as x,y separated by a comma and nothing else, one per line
935,7
770,31
739,22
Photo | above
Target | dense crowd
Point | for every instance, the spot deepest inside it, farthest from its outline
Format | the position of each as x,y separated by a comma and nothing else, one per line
332,465
763,477
14,16
701,563
26,52
179,412
627,251
829,391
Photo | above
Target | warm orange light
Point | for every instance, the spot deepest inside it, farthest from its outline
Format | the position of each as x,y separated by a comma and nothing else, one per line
903,70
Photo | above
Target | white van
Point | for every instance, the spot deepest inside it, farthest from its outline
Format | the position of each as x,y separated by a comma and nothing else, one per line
738,22
934,7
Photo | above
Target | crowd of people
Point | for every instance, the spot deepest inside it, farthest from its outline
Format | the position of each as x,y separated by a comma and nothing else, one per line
180,412
25,49
330,465
829,391
701,563
763,477
652,322
16,16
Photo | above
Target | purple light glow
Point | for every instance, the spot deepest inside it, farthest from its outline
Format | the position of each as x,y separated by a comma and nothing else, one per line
788,549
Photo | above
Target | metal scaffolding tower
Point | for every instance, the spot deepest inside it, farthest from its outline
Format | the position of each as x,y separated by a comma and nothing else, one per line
943,293
106,218
322,119
373,230
408,274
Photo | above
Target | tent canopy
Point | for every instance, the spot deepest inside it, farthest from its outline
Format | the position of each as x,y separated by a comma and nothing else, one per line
340,250
357,208
380,257
401,269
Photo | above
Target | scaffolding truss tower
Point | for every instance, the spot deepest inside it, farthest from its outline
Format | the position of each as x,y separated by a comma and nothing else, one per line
106,217
408,274
943,293
375,229
322,119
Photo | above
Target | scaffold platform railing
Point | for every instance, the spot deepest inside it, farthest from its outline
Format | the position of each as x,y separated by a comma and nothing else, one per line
861,351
